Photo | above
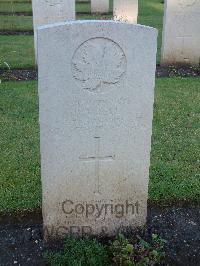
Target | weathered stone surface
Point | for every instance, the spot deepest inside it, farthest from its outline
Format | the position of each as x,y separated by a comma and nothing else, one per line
96,90
125,10
51,11
181,32
99,6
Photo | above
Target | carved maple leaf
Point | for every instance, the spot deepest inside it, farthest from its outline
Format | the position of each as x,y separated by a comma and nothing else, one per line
98,62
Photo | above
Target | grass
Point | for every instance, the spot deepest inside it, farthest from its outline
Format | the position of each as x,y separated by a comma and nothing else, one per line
19,144
175,145
150,13
15,1
175,153
15,7
17,51
25,23
16,23
83,8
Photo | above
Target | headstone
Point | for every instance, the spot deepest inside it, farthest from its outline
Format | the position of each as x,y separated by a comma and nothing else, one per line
96,90
51,11
99,6
125,10
181,33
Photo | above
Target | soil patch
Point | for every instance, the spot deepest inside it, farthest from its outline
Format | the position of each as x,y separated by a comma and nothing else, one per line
177,71
22,243
17,32
16,13
18,74
161,71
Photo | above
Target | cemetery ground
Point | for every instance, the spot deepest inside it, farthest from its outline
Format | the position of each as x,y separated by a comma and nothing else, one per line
173,207
174,177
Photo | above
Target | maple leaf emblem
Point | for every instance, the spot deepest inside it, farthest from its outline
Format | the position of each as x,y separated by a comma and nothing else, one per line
97,63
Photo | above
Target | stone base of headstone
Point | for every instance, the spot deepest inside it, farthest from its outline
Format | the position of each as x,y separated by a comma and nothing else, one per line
125,10
99,6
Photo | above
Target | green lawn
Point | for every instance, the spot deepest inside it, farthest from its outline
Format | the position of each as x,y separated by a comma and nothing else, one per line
176,144
27,7
19,144
15,7
16,1
25,23
175,148
16,23
16,51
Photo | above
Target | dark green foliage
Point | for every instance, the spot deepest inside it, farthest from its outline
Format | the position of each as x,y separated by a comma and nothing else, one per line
120,252
137,251
79,252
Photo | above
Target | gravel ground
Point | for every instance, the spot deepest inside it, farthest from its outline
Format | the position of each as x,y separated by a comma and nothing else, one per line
21,236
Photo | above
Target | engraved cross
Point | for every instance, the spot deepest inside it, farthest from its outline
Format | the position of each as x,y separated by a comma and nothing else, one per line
184,38
96,159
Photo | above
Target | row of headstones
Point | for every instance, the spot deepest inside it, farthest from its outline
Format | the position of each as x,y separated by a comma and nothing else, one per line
181,30
123,10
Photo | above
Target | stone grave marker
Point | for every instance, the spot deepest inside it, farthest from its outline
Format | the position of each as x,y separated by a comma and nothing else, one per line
125,10
99,6
181,32
96,91
51,11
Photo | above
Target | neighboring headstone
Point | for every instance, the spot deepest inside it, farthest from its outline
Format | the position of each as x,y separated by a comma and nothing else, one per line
125,10
99,6
51,11
96,91
181,32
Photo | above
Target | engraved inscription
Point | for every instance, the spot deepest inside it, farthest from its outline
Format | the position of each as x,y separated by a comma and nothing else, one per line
54,2
98,64
96,159
186,3
102,113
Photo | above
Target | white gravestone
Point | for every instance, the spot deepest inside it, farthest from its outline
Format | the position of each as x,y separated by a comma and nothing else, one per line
181,32
51,11
96,91
99,6
125,10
